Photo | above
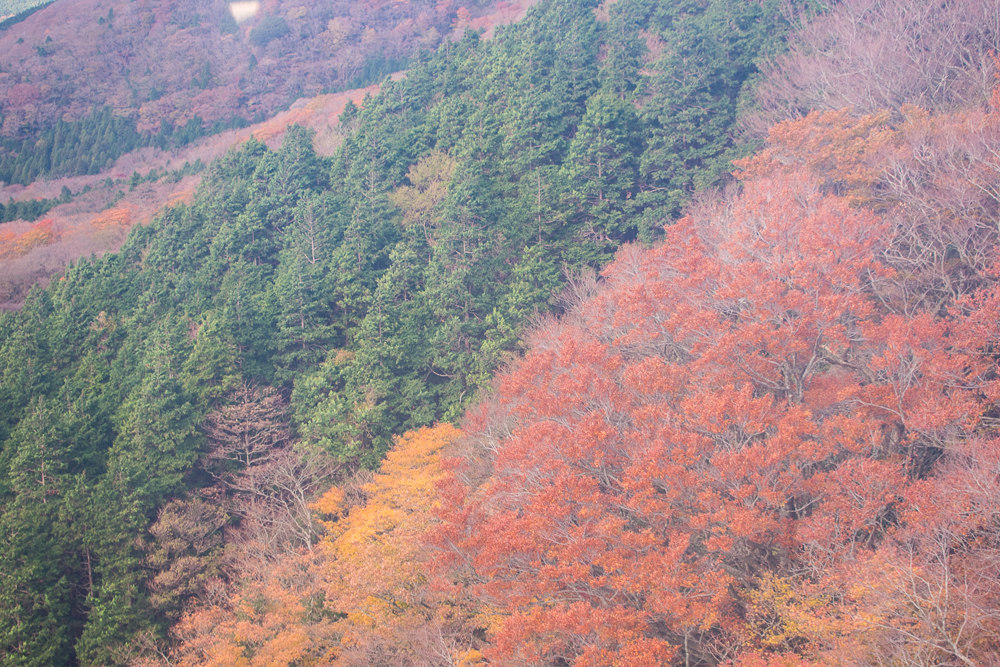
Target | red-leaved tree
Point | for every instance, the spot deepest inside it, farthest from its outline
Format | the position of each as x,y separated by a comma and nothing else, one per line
687,467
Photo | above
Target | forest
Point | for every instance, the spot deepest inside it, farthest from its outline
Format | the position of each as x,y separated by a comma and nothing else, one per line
647,332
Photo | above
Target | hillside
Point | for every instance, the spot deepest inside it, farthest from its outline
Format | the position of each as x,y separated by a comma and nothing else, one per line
769,441
346,299
94,159
102,208
154,61
724,400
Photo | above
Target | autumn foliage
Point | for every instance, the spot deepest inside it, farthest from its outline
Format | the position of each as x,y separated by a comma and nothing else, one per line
39,234
759,442
935,179
359,596
174,61
119,216
767,442
871,56
376,573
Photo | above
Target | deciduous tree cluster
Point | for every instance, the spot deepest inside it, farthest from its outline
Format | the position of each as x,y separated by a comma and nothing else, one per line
763,442
872,55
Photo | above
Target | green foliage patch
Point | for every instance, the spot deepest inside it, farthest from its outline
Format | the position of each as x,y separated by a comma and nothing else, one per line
269,28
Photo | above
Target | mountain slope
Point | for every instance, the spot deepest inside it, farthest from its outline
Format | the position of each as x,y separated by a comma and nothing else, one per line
156,61
374,291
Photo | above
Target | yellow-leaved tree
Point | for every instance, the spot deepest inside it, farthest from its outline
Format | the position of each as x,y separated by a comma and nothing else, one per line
361,596
376,569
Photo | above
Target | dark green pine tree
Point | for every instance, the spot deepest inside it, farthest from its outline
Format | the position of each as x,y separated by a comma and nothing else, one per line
602,172
393,365
157,443
44,578
248,314
308,323
25,358
619,70
211,371
710,50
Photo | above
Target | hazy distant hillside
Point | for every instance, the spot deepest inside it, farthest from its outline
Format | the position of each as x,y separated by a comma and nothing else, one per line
160,60
91,159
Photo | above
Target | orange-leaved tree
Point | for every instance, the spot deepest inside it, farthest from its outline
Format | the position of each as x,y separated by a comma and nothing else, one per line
686,468
935,178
